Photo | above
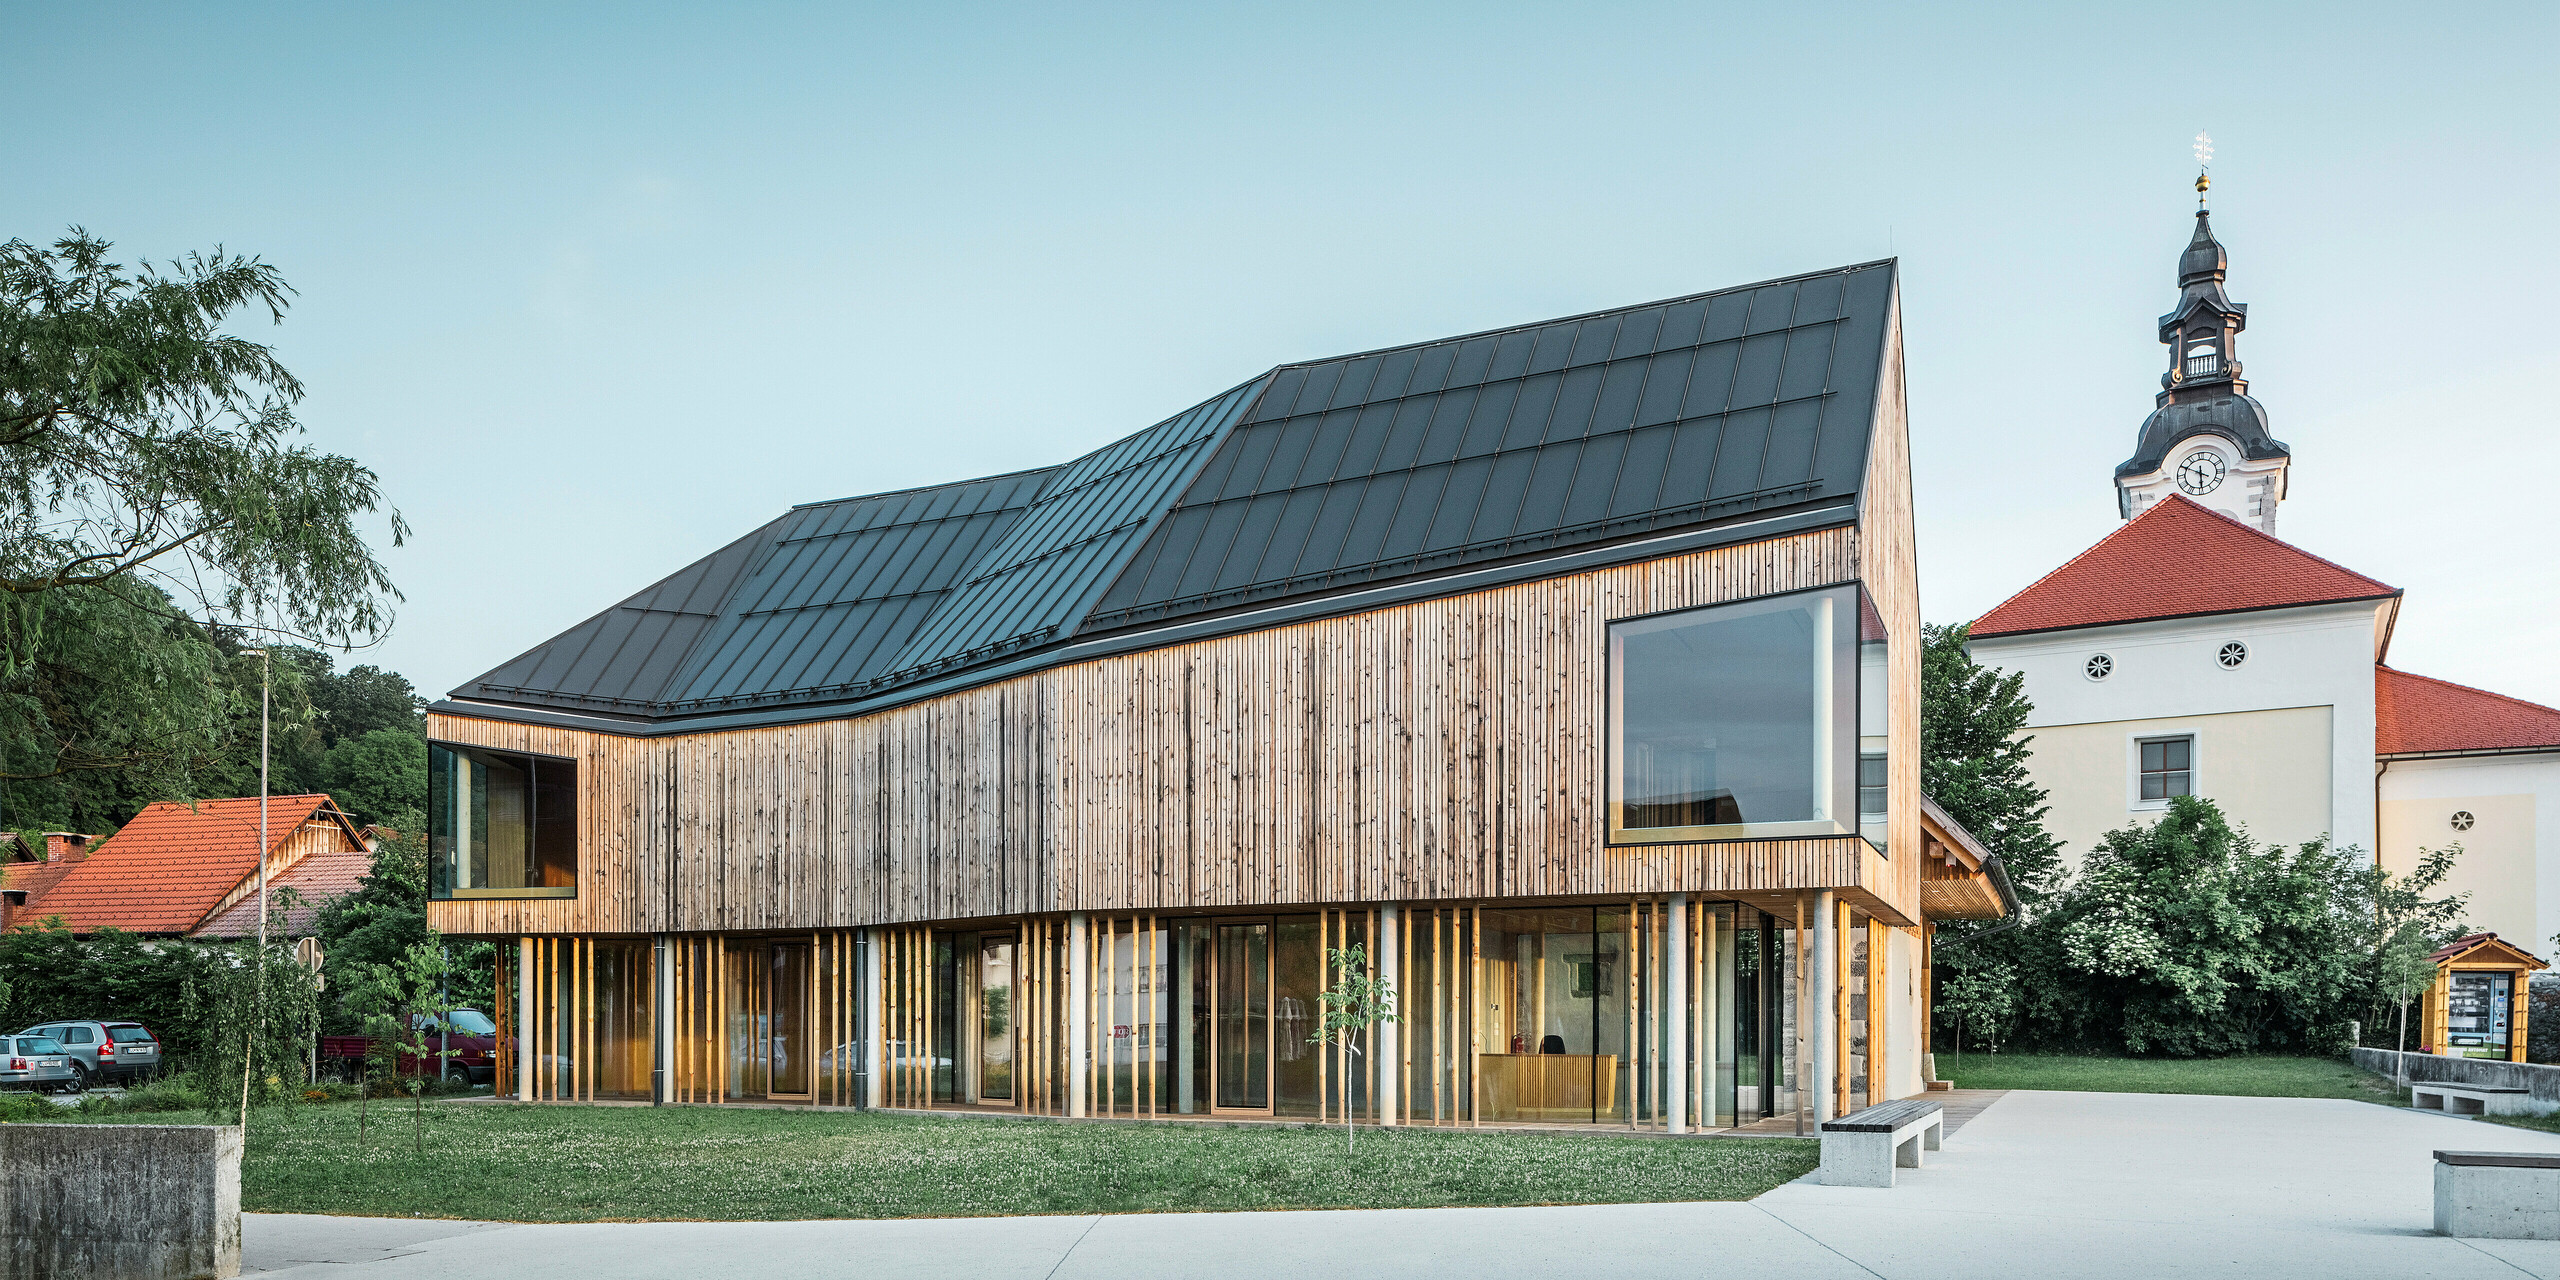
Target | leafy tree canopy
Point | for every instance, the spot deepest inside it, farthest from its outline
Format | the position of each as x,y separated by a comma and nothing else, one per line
1973,759
138,440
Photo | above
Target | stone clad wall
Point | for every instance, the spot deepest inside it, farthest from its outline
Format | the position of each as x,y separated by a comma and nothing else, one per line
2542,1083
132,1201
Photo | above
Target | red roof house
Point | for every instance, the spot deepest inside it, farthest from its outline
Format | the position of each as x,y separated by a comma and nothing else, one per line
178,867
2177,559
2417,715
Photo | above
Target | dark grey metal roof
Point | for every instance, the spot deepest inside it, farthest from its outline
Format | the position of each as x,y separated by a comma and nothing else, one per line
1594,428
1329,478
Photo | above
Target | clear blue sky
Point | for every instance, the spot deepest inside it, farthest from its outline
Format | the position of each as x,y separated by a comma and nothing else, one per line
598,289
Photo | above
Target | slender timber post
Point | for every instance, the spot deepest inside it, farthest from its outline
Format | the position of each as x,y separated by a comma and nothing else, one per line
1797,952
1826,996
1675,1017
1079,1010
524,1019
662,1018
867,947
1390,1056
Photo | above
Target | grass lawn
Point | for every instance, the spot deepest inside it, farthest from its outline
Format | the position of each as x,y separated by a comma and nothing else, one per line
587,1164
2254,1077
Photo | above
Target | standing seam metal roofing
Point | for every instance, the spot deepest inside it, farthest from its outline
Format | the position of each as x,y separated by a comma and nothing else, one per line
1490,446
1313,478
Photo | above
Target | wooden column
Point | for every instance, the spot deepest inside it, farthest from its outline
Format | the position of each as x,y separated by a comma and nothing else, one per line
1805,1020
1389,1063
1879,1046
524,1020
1675,1005
1079,1020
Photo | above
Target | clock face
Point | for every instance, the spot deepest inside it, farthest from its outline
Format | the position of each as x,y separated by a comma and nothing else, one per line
2201,473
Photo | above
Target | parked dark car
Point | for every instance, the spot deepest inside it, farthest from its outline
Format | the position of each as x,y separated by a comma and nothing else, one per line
106,1052
39,1063
471,1036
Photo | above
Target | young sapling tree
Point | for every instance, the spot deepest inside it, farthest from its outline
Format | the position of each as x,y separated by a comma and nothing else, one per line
1353,1004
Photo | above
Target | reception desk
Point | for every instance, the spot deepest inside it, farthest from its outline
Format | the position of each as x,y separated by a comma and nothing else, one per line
1562,1087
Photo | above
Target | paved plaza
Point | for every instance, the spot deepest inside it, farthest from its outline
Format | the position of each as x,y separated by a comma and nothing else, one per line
2040,1184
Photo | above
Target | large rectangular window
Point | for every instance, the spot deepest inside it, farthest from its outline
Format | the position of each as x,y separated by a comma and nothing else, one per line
500,824
1736,721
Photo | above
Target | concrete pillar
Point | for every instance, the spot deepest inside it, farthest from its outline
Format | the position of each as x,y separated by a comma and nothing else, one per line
1825,1012
1079,1010
867,945
1675,1019
524,1019
1389,1087
662,1019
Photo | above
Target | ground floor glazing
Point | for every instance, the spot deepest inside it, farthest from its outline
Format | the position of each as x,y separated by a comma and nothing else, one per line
1653,1013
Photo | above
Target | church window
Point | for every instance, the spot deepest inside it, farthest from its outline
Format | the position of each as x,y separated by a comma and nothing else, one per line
2202,359
2099,666
2462,820
2168,768
2232,655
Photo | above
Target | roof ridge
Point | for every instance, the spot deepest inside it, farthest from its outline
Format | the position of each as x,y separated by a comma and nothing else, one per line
2245,527
2184,506
1674,300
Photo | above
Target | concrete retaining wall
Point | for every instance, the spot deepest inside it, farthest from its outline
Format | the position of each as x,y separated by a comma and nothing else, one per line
131,1201
2541,1083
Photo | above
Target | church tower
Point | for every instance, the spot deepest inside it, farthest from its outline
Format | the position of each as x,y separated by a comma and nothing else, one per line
2206,437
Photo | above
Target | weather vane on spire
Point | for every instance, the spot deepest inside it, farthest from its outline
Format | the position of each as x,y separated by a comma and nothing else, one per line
2204,165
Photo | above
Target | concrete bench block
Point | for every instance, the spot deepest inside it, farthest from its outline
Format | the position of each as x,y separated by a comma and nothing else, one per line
2498,1195
2474,1100
1863,1148
132,1201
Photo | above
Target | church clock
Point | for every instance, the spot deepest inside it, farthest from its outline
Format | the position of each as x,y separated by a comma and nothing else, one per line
2201,473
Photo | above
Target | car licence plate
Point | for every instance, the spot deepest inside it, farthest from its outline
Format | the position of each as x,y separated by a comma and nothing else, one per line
48,1062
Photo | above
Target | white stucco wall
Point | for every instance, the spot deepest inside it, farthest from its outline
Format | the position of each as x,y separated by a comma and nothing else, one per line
2270,771
2284,741
2510,863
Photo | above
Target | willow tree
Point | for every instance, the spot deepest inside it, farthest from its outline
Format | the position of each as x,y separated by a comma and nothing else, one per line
154,489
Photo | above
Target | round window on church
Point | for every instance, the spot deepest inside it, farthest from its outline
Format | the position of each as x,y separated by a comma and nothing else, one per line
2232,655
2099,666
2462,820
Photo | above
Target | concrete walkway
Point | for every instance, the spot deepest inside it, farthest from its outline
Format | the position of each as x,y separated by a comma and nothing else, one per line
2043,1184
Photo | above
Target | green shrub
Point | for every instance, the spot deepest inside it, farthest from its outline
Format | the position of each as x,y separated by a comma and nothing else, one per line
161,1095
19,1107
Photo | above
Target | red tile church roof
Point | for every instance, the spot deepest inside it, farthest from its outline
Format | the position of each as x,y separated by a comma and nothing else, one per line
2176,560
2413,714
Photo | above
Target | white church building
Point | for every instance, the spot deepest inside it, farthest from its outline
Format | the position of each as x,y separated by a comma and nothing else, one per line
2193,652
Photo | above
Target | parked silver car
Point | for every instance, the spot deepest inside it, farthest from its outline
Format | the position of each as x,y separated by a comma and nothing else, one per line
106,1052
38,1063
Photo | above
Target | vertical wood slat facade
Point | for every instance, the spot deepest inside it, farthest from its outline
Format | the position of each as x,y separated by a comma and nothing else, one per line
1449,749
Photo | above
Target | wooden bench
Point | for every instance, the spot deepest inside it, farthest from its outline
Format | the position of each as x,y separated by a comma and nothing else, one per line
2498,1195
2471,1100
1863,1148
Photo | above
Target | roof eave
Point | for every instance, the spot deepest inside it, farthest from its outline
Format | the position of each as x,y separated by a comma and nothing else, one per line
2393,596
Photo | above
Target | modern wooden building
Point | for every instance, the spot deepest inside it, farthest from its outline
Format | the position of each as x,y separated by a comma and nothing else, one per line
1570,670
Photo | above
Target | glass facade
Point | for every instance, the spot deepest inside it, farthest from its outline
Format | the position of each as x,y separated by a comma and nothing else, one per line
500,824
1736,721
1546,1014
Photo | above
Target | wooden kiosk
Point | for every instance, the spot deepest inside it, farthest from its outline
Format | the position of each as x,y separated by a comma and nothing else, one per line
2478,1005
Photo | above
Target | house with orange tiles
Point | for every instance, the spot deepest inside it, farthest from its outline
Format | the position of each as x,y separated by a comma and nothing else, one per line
183,870
2192,652
30,869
